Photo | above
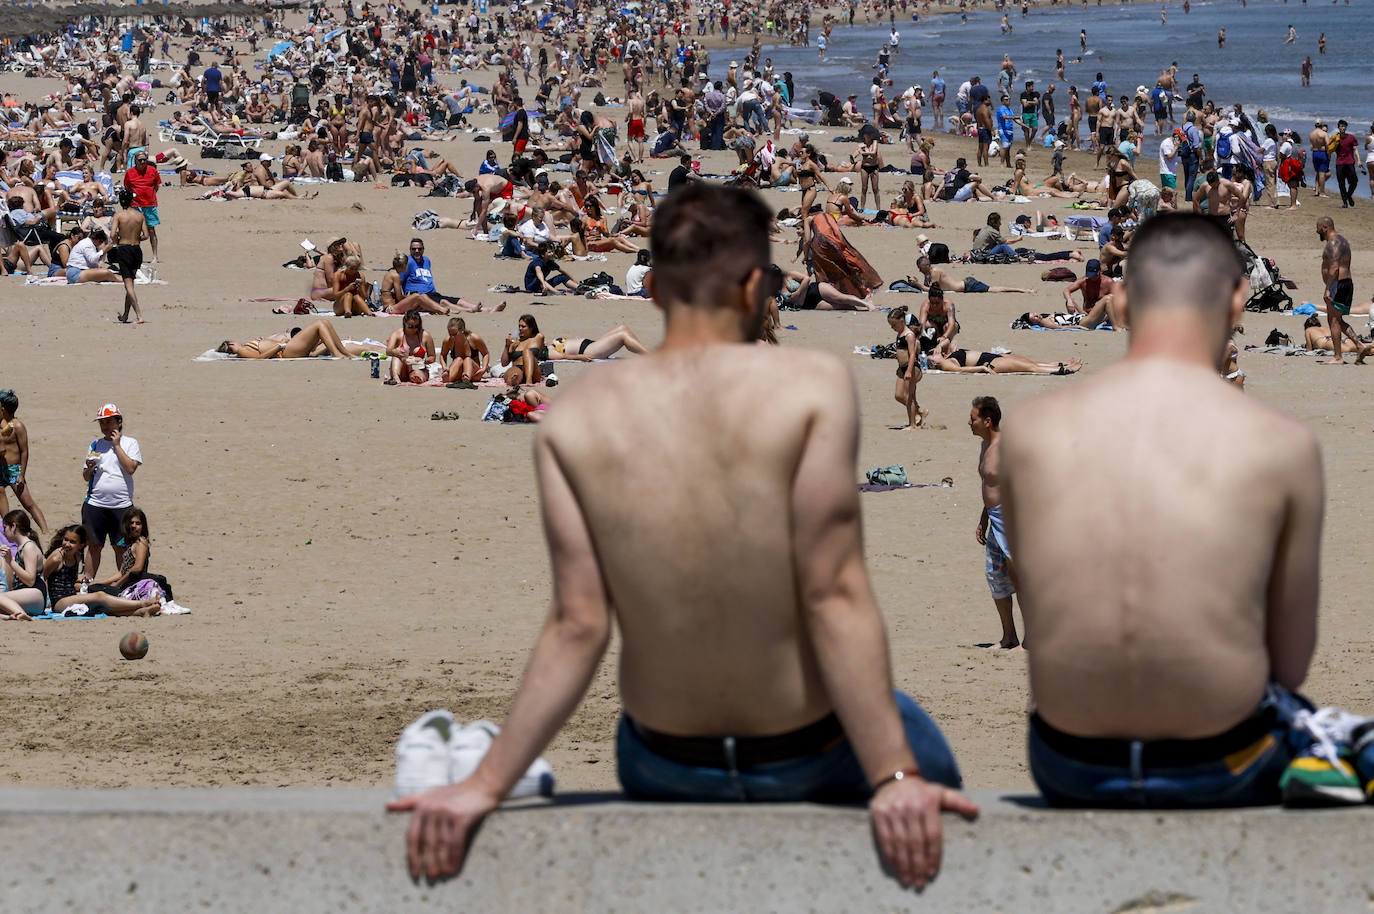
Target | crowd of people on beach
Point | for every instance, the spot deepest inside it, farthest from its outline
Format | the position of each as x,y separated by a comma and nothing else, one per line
363,93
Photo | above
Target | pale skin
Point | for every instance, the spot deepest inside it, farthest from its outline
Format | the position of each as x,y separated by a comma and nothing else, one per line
784,538
988,464
1176,625
111,429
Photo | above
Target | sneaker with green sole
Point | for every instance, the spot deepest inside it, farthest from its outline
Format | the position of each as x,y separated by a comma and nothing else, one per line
1324,775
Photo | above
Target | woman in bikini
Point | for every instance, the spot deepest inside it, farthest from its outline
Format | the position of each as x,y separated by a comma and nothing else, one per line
27,592
908,210
870,160
944,357
808,174
1316,339
581,349
908,369
322,281
106,594
395,300
1120,174
522,355
338,125
317,339
466,355
350,289
587,236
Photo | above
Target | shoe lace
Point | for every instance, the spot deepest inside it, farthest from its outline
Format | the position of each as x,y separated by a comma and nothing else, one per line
1330,729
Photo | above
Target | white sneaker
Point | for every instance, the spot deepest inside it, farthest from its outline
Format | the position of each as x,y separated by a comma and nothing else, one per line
422,754
470,745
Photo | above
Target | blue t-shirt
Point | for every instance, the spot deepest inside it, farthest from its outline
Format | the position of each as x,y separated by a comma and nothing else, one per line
976,96
937,86
213,79
1104,234
1100,90
418,277
1006,123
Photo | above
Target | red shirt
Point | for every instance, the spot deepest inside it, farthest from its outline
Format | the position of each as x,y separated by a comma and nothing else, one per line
1346,144
144,184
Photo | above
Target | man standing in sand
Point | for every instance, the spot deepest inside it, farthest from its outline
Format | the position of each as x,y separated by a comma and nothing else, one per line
125,254
985,420
753,659
14,459
1338,287
143,179
1319,139
133,137
1164,665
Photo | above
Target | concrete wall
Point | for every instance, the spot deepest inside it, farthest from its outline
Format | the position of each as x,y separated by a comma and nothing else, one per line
300,850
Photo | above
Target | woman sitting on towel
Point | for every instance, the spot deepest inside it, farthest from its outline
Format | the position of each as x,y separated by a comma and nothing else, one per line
520,357
26,592
320,338
394,297
465,354
585,239
350,289
581,349
944,357
112,594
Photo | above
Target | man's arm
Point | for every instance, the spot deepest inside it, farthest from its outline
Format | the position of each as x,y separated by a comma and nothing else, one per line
560,668
847,633
21,438
1293,582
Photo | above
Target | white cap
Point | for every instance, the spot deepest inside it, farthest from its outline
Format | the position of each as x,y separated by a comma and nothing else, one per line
265,157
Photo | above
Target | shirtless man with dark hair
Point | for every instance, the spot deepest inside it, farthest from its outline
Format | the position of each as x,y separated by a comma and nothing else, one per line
128,230
753,658
1338,287
1163,669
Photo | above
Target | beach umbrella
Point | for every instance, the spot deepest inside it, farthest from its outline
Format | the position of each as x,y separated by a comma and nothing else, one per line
334,34
280,48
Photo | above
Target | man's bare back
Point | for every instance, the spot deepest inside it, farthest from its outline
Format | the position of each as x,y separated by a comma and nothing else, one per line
128,227
1166,585
743,622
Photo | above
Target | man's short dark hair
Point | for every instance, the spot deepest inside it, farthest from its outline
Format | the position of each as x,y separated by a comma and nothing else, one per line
1182,259
989,409
684,159
701,224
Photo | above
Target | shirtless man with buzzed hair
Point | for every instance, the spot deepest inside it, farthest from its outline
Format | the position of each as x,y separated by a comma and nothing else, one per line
1221,194
1163,669
1338,287
753,660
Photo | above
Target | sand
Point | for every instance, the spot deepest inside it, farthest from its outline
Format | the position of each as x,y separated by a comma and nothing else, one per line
351,563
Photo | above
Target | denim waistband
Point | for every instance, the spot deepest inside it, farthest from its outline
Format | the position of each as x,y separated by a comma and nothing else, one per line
742,752
1163,753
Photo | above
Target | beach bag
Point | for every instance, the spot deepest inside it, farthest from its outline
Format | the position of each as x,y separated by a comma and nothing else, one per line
1277,337
599,282
446,186
1059,274
496,410
938,252
145,589
894,475
425,221
883,351
334,171
1290,170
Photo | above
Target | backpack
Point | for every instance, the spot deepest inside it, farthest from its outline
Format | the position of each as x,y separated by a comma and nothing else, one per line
425,221
446,186
1277,337
894,475
1223,146
334,171
598,282
938,252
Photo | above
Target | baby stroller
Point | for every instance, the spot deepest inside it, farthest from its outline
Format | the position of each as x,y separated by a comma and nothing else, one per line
746,175
1267,288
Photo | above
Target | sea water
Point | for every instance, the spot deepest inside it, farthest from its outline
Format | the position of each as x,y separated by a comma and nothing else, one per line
1129,46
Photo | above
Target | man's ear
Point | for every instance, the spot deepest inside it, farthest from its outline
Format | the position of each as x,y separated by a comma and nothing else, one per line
1239,296
649,287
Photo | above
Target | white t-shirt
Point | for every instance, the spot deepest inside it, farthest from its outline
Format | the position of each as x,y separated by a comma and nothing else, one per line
84,256
1168,149
1270,148
110,486
634,278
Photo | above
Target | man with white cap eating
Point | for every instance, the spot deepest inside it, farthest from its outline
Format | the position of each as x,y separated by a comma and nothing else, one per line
109,473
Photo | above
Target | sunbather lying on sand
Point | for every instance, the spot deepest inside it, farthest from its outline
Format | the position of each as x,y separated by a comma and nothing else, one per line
317,339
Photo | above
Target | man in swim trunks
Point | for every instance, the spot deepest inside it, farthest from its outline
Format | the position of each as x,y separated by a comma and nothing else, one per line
14,459
634,121
1319,139
791,700
935,277
982,115
1163,668
985,420
1030,111
144,180
128,228
486,189
1339,287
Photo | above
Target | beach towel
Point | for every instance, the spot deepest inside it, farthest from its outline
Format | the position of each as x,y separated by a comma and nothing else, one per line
141,280
1065,321
946,483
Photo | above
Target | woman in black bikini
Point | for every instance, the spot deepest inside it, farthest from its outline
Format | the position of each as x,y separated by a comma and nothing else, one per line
581,349
66,562
808,174
133,567
908,369
966,361
870,160
523,355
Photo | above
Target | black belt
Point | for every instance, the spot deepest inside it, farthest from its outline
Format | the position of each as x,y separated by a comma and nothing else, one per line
1162,753
742,752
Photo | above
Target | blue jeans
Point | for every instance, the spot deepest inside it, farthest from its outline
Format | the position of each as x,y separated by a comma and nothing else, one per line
751,112
512,247
833,776
1003,248
1189,176
1247,777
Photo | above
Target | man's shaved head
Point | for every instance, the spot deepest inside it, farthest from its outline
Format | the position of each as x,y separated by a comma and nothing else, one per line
1325,224
1182,260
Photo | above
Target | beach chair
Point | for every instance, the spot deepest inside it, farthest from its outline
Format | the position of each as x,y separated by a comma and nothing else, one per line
228,139
167,132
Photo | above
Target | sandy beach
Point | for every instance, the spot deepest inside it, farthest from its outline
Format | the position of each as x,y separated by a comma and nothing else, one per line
351,563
